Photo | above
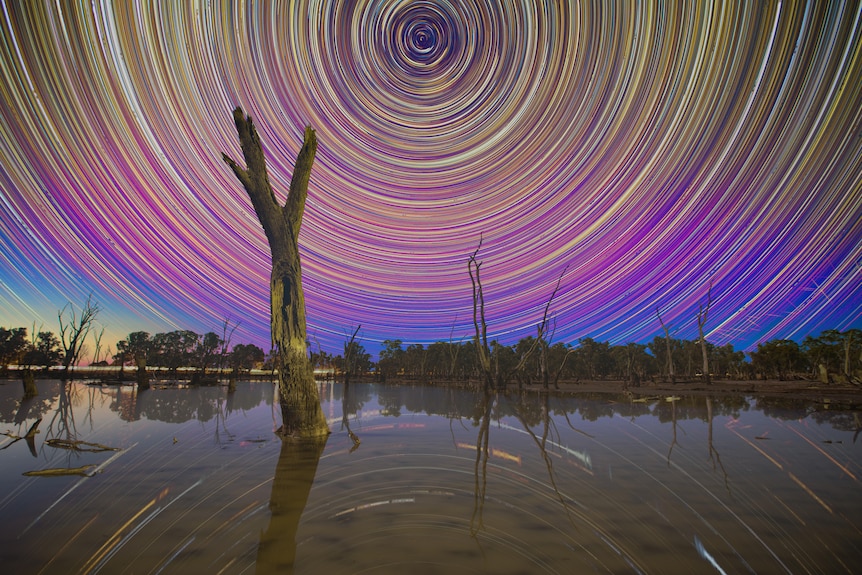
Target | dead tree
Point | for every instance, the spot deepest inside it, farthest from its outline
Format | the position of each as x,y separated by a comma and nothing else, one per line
350,352
97,343
668,347
490,378
544,336
302,416
74,329
701,321
493,377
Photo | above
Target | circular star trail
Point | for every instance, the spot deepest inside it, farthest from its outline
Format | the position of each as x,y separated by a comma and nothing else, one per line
643,155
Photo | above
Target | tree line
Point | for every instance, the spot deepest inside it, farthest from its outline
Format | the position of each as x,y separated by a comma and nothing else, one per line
830,356
833,355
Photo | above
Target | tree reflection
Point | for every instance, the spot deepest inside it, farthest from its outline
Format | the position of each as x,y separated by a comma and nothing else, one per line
714,457
294,476
531,413
178,405
482,416
544,414
62,424
349,406
19,410
673,442
29,438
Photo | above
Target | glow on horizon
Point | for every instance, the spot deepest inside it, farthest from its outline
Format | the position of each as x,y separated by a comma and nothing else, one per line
646,152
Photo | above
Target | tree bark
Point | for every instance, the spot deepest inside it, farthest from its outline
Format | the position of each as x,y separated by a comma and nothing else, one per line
302,415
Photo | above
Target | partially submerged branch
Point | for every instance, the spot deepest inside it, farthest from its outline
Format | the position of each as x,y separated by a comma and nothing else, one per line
61,471
77,445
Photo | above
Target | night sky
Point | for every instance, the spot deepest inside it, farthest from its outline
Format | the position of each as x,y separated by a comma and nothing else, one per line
639,154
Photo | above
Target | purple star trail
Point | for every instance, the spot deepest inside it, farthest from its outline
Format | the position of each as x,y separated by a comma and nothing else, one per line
641,152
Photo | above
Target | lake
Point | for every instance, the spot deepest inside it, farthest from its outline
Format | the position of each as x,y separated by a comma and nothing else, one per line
442,481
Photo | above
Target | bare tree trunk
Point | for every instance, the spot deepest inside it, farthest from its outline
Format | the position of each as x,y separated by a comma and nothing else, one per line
301,413
701,321
483,353
29,381
544,335
142,378
488,360
668,347
349,360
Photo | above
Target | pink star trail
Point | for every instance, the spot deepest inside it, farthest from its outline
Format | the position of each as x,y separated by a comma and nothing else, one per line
647,150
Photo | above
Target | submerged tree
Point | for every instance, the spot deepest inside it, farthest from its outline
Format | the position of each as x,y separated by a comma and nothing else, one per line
302,415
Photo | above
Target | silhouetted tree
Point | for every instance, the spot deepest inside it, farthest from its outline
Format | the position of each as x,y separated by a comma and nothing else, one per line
173,349
355,360
205,355
595,357
390,360
44,350
415,360
244,357
74,328
136,348
13,343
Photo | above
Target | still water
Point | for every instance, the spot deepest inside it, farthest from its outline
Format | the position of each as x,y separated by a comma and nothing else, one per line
443,481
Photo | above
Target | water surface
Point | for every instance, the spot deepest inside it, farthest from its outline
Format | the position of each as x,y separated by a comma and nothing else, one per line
443,481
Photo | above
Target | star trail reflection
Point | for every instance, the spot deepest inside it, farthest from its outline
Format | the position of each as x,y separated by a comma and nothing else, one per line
443,480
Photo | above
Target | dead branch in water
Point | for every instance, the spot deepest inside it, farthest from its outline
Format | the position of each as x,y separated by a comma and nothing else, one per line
76,445
61,471
31,433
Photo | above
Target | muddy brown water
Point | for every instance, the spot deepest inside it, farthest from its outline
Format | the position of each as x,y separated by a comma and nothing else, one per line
443,481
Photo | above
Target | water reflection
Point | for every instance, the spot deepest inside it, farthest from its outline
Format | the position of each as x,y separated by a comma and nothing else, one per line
294,476
443,481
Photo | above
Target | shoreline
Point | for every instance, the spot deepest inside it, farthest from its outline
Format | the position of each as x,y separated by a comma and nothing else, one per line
800,389
793,389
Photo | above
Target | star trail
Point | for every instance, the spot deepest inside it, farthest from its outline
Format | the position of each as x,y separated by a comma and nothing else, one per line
639,152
